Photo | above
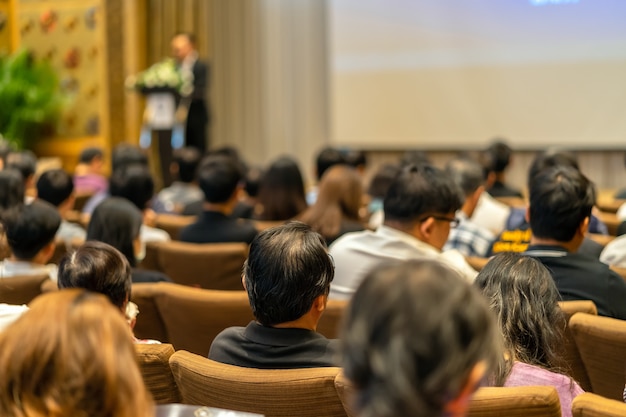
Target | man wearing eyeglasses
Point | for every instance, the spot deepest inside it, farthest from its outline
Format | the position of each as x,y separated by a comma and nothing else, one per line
419,208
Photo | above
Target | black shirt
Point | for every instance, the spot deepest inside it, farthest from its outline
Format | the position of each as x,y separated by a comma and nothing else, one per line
215,227
257,346
499,189
580,277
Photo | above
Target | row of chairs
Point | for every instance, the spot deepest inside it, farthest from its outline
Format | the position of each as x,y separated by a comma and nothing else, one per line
185,377
190,318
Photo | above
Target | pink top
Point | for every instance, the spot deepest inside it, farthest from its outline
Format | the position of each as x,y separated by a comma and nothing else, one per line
523,374
90,183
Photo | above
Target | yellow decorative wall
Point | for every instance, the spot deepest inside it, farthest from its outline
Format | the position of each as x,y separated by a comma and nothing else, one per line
5,26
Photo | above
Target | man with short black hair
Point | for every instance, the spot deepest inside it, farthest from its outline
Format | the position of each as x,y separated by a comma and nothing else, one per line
219,178
26,163
420,207
30,234
287,277
57,188
561,200
500,155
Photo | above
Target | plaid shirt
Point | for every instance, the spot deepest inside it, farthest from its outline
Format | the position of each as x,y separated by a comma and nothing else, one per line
469,238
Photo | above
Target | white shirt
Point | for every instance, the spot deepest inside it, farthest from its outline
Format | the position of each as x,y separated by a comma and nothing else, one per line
9,313
356,254
152,234
614,253
9,269
491,214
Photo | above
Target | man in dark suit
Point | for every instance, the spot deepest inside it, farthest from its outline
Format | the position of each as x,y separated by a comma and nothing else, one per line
192,102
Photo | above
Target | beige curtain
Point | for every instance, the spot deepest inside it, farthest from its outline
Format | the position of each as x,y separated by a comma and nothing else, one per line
269,87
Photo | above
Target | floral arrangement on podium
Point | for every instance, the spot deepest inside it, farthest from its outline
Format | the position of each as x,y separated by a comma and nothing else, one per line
161,77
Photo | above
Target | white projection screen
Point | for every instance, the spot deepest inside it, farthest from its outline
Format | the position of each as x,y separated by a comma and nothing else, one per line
453,74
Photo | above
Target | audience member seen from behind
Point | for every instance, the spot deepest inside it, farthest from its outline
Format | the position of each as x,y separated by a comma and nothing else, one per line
281,194
380,183
522,294
11,191
57,188
326,158
339,200
89,173
99,267
561,200
26,163
426,346
517,235
219,178
247,204
71,355
468,238
184,190
500,154
117,222
420,208
123,156
135,184
287,277
30,234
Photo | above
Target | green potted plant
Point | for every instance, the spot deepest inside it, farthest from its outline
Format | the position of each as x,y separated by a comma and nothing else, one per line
30,99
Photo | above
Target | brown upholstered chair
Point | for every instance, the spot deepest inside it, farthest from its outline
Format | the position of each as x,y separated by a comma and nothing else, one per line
569,351
329,323
512,201
173,223
214,266
261,225
156,372
306,392
517,401
476,262
487,402
593,405
149,323
611,221
22,289
601,239
601,342
81,200
193,316
62,247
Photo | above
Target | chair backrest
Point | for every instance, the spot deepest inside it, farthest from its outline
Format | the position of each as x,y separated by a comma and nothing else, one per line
611,220
476,262
193,316
22,289
329,323
149,323
308,392
215,266
173,223
516,401
601,239
568,349
601,342
62,247
487,402
156,372
593,405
